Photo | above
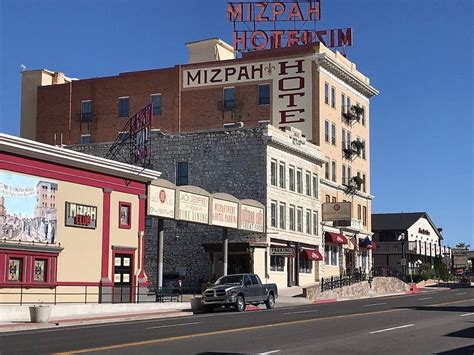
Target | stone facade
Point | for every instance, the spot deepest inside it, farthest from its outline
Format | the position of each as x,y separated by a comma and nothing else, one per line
236,162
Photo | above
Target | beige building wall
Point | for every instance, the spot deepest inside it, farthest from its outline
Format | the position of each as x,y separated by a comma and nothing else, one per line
30,80
73,266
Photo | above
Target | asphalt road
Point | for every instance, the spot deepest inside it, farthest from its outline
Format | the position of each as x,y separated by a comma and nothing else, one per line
426,323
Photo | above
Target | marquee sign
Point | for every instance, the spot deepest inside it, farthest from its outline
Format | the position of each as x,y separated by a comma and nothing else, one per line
161,201
251,218
282,251
193,207
82,216
270,15
225,213
337,211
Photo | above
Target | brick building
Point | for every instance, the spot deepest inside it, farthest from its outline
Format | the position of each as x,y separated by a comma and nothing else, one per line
311,88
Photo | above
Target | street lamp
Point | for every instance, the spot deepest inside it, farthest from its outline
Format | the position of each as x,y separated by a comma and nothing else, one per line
401,237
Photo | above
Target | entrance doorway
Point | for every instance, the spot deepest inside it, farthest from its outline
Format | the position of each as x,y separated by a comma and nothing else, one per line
239,264
123,266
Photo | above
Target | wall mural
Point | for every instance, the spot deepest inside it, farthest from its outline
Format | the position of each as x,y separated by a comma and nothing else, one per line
27,208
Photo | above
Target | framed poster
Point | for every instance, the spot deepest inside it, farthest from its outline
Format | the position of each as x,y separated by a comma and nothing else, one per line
125,215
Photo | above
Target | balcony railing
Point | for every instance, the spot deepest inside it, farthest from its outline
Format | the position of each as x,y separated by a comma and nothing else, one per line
411,247
355,224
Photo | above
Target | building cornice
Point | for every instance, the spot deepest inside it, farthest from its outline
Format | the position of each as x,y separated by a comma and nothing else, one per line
339,71
59,155
317,157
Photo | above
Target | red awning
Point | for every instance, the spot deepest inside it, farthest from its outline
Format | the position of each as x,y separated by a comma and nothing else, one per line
335,238
313,254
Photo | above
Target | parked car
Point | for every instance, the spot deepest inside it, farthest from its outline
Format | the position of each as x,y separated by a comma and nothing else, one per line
239,290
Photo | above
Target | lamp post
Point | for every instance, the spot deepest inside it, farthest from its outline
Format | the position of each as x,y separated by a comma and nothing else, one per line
401,238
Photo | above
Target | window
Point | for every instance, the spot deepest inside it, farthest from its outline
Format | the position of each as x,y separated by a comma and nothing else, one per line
359,213
333,97
333,134
264,94
328,198
326,93
86,110
282,207
315,186
343,139
273,212
326,169
277,263
282,172
125,215
363,149
363,116
315,223
308,221
229,97
348,139
326,131
306,265
39,274
15,269
308,183
156,104
343,104
86,139
299,219
331,255
333,168
273,172
254,279
123,106
364,260
123,136
348,103
333,199
349,173
363,183
182,172
359,178
364,215
299,181
292,217
291,172
344,175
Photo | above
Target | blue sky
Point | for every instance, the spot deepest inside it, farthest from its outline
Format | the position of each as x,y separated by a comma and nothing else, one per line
418,53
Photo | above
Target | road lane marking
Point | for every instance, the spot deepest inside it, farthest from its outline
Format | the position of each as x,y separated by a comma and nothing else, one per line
270,352
298,312
374,304
467,314
173,325
393,328
461,293
424,298
228,331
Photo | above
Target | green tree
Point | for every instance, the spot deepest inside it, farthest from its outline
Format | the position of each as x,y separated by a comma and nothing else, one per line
441,269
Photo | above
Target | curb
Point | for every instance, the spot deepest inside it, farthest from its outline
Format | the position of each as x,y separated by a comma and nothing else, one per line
328,300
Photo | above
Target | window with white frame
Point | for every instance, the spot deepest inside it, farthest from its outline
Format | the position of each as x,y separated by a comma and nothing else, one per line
344,174
364,215
333,97
299,181
315,186
273,172
331,254
281,175
343,139
305,264
291,177
299,219
326,169
273,213
363,149
86,139
282,216
315,223
333,134
308,183
277,263
308,221
343,103
363,116
326,93
292,217
326,131
348,102
333,168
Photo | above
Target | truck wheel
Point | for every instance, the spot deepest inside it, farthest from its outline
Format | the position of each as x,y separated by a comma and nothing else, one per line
270,302
240,304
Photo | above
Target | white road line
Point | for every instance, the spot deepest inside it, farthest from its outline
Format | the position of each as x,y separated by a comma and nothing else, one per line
297,312
467,314
388,329
424,298
374,304
173,325
270,352
461,293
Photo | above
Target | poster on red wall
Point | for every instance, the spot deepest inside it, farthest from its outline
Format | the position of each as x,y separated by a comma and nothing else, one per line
27,208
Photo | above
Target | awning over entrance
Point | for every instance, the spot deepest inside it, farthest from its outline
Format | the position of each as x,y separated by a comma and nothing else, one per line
335,238
313,254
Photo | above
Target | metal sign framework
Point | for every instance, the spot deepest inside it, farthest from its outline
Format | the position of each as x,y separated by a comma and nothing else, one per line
133,145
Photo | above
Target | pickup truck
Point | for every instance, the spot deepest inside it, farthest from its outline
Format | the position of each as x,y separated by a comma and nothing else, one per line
239,290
